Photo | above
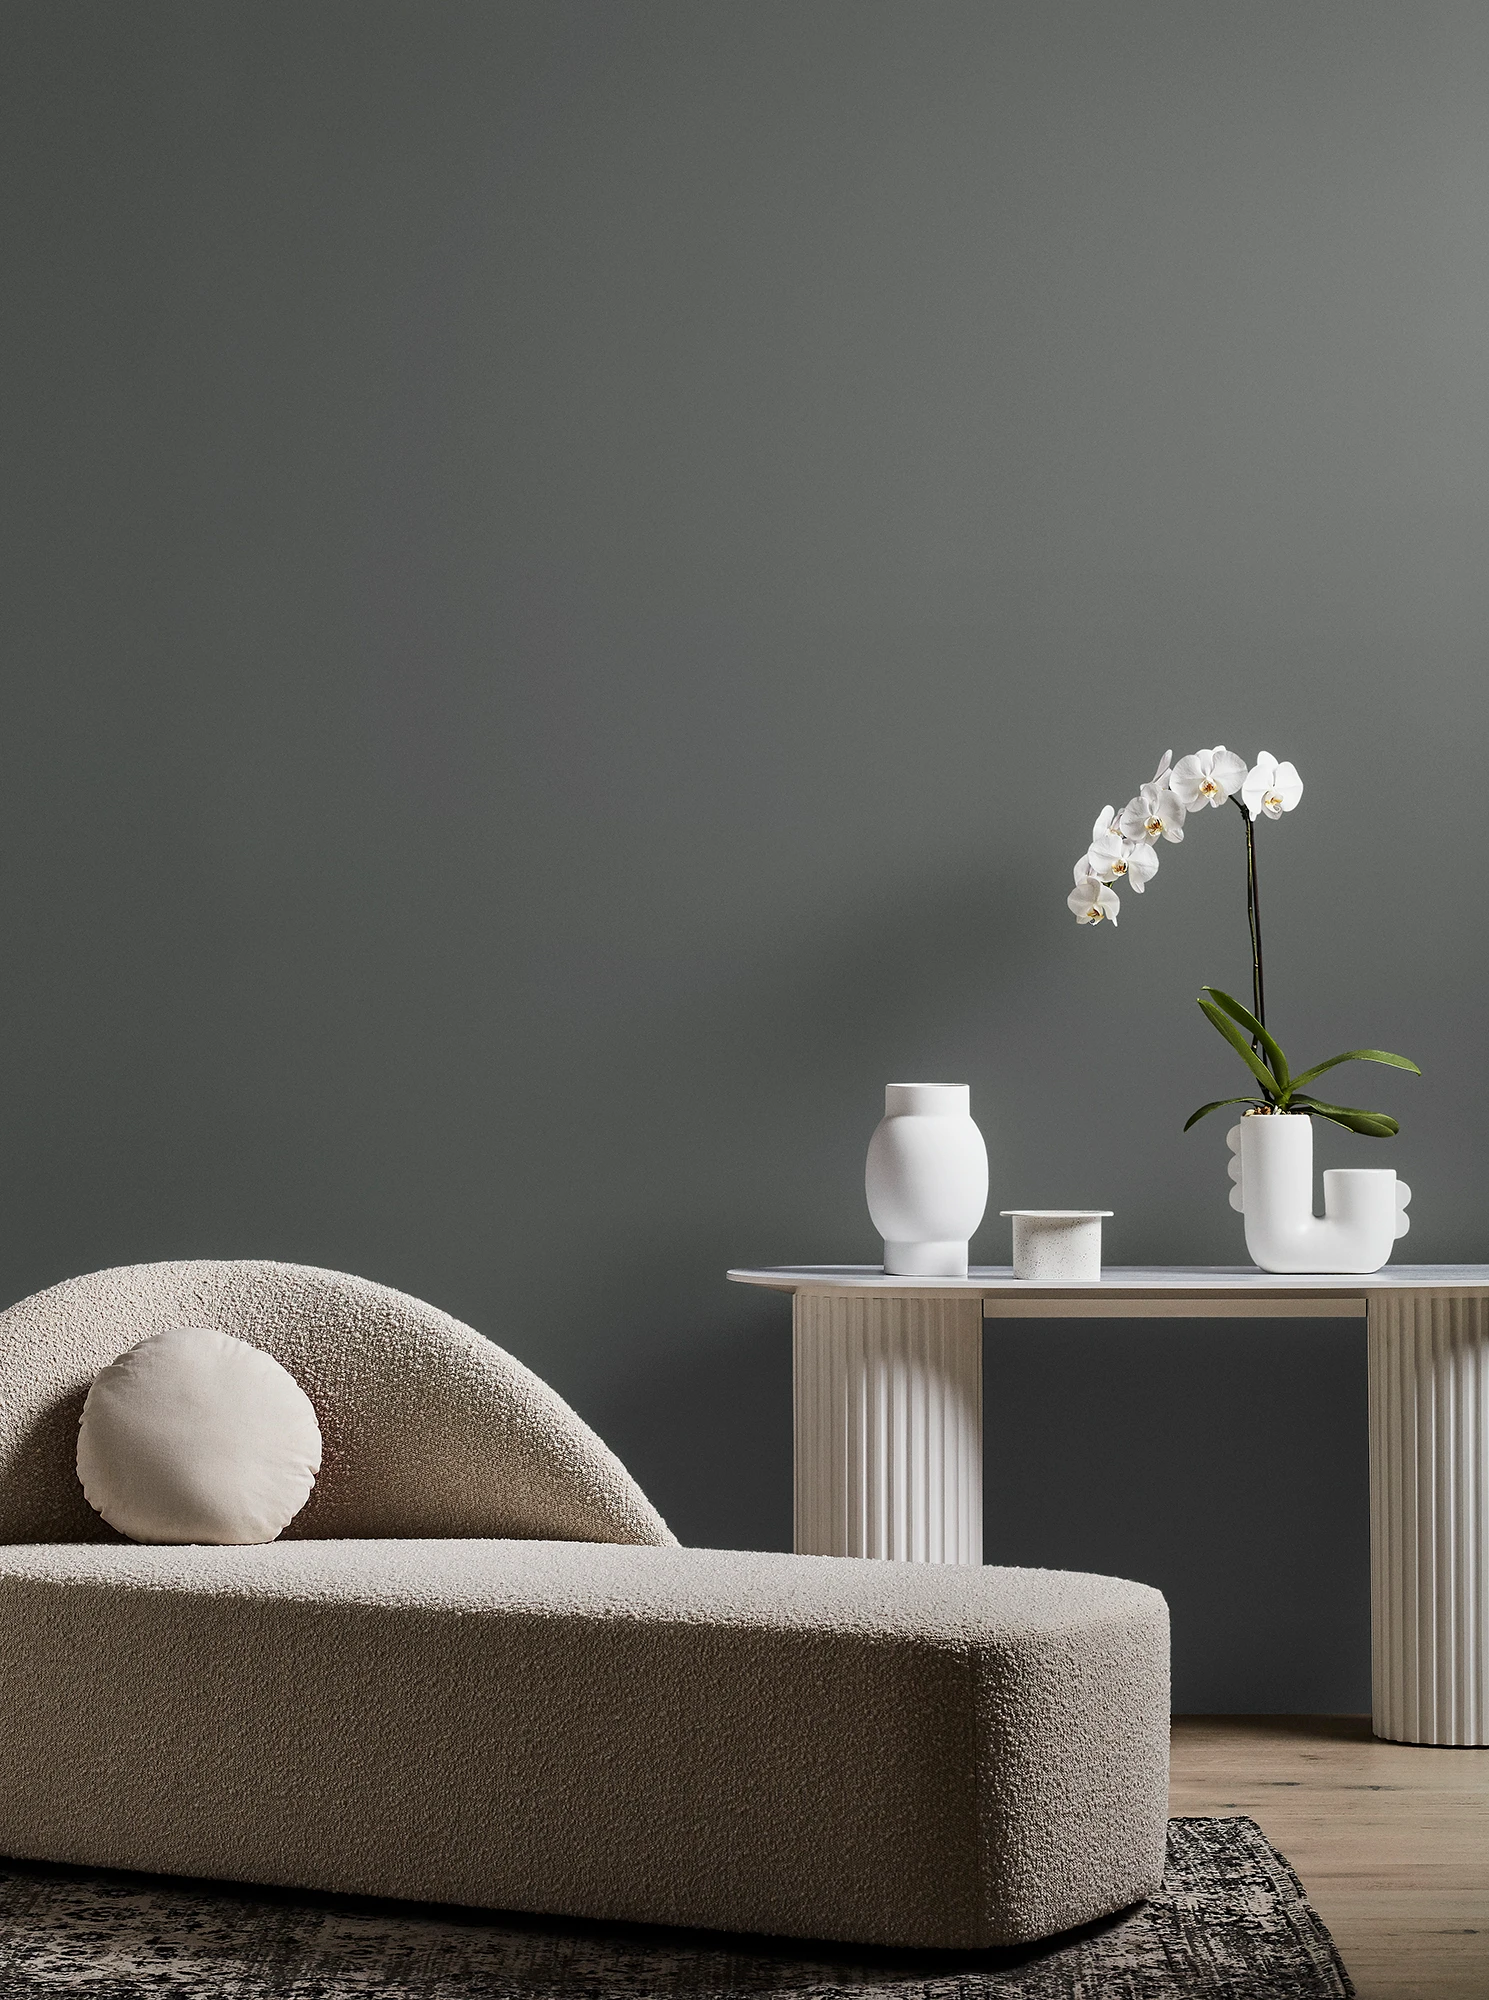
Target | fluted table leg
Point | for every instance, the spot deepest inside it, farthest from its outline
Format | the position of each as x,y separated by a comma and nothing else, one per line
888,1409
1429,1517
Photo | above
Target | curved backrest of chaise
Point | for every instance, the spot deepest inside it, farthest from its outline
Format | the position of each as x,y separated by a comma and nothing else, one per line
428,1428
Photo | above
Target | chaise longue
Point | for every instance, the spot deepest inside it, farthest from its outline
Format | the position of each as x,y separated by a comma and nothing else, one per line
477,1668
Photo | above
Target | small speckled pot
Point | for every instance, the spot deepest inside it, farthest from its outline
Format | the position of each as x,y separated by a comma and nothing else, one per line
1057,1245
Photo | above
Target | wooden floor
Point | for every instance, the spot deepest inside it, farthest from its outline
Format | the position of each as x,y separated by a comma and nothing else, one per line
1391,1841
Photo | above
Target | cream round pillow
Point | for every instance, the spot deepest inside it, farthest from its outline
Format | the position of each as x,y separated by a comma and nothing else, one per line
194,1436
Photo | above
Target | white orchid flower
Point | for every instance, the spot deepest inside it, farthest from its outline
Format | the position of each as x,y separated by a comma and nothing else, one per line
1109,857
1270,787
1154,814
1106,845
1142,865
1207,778
1090,899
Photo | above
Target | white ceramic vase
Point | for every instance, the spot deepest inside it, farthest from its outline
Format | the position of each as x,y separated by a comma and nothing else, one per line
926,1179
1272,1167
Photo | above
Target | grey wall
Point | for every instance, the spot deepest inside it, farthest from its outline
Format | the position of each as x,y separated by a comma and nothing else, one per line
577,576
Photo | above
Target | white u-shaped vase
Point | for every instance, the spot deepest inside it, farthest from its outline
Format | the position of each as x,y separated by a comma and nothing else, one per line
1272,1167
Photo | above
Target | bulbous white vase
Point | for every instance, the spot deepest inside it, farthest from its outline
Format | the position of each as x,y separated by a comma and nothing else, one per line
1272,1167
926,1179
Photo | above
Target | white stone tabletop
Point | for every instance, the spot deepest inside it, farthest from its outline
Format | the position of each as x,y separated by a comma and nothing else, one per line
1132,1281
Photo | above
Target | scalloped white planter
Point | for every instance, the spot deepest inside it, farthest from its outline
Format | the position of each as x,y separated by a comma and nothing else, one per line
1272,1167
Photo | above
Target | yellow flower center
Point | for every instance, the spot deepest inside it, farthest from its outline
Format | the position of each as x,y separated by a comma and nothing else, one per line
1272,799
1209,787
1119,867
1152,826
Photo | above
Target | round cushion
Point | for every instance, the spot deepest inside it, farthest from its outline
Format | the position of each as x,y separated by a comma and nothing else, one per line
193,1436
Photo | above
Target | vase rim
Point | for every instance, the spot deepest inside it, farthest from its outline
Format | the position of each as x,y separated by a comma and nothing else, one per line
927,1100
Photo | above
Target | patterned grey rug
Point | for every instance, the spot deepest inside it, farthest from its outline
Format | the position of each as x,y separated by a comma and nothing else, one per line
1232,1923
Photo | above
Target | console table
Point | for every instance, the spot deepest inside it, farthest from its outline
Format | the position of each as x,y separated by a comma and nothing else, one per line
887,1389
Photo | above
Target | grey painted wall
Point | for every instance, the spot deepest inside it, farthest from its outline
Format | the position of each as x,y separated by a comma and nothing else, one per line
577,575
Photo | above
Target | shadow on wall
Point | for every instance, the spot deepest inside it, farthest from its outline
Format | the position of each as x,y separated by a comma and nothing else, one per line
736,1385
755,1091
1224,1462
743,1111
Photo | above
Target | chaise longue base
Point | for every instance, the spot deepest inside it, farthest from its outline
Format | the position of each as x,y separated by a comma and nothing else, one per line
878,1752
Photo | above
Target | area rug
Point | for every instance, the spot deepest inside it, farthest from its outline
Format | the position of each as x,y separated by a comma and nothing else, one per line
1232,1923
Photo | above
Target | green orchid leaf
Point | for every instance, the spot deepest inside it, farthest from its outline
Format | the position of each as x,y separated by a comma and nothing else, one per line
1205,1109
1241,1046
1357,1055
1359,1122
1275,1058
1369,1124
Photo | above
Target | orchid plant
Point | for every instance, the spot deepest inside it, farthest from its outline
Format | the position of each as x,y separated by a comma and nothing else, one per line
1124,848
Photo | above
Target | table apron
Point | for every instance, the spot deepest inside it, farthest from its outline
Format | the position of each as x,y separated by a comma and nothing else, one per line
1206,1305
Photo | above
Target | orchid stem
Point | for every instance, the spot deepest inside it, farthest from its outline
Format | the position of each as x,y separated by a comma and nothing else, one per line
1254,918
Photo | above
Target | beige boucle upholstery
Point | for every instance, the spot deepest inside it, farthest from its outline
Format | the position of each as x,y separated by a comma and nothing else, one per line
427,1428
579,1717
888,1752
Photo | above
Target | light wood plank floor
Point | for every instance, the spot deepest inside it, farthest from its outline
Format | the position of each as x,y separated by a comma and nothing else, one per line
1391,1841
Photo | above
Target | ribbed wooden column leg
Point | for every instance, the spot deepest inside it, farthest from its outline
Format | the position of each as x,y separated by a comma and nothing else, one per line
888,1400
1429,1517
